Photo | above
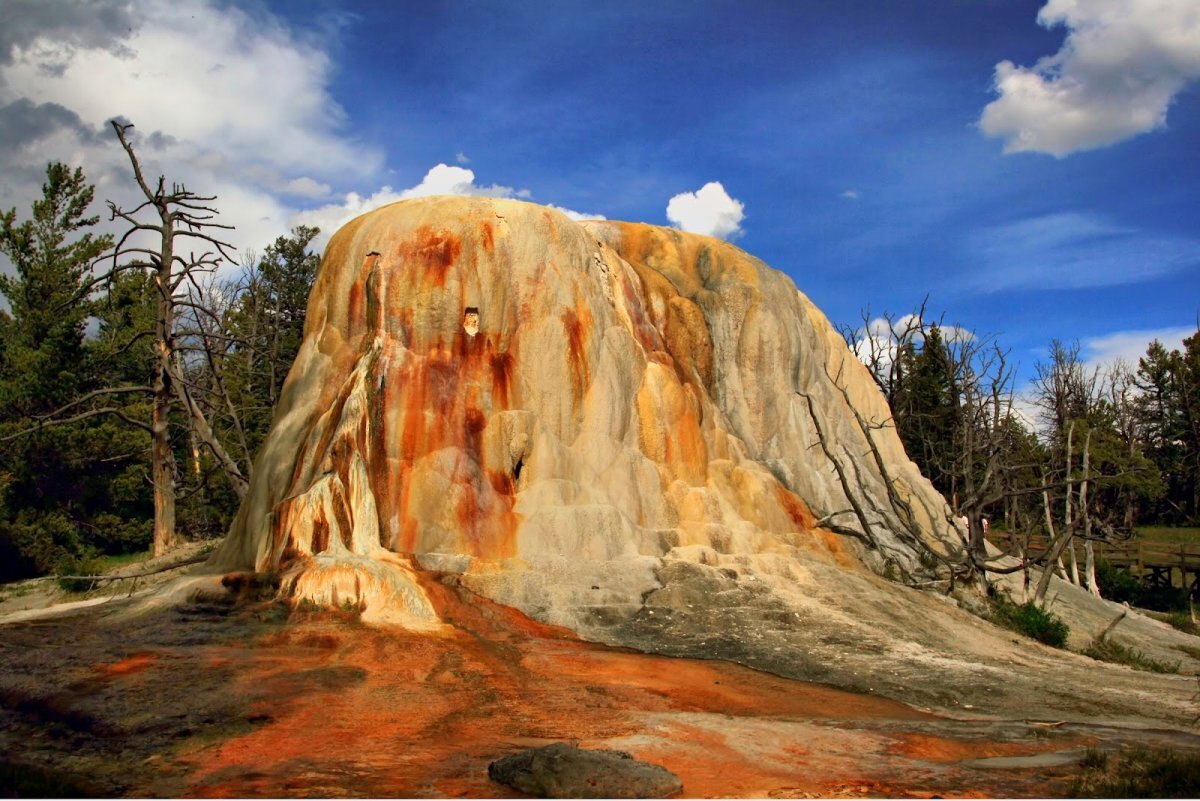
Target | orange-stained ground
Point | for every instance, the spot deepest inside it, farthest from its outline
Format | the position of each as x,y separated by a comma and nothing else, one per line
348,710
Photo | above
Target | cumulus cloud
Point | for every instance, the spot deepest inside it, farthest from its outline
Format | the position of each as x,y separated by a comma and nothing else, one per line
1129,346
69,24
879,341
1103,353
576,215
306,187
231,102
709,211
442,179
461,158
1121,66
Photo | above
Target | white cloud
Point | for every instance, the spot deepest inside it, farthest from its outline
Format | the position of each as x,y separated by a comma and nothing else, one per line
576,215
1130,346
880,340
446,180
306,187
709,211
232,103
1123,63
850,194
442,179
461,158
1102,354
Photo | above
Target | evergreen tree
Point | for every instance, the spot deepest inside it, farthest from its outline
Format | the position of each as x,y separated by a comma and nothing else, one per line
44,516
1169,412
928,409
266,323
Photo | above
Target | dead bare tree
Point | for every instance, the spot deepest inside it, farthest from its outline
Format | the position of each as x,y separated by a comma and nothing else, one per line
177,218
879,342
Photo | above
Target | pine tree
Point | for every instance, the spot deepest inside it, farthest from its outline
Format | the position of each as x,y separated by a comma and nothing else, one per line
1169,411
267,323
43,519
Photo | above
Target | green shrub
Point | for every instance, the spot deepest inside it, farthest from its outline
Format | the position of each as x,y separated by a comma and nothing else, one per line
1141,773
1183,622
1107,650
87,563
1117,584
1031,620
1163,599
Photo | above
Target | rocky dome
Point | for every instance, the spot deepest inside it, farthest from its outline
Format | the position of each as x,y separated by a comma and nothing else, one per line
572,416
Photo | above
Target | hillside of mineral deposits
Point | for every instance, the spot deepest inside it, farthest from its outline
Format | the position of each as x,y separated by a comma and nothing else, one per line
648,437
568,414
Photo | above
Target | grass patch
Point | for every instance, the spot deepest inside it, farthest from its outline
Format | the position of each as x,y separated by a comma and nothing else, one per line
1139,773
107,563
1182,621
1094,759
1185,534
1190,650
1031,620
15,590
1108,650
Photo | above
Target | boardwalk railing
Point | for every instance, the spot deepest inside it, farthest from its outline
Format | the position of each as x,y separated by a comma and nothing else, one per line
1163,564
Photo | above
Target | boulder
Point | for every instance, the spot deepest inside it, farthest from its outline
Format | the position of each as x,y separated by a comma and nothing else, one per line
567,771
558,411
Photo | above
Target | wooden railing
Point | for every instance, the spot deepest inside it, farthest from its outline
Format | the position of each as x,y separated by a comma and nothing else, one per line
1154,562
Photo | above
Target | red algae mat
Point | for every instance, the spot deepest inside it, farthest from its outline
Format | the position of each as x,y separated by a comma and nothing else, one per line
343,709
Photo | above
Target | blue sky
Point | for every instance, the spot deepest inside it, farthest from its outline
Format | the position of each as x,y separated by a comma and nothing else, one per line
853,134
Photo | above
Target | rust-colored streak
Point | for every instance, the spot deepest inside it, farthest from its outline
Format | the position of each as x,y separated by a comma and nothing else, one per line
577,359
645,333
688,340
488,236
502,367
441,396
320,531
129,665
356,316
796,509
474,422
502,482
341,512
432,252
467,514
444,377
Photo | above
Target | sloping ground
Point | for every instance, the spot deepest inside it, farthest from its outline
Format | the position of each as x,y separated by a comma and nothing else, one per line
831,621
206,700
33,598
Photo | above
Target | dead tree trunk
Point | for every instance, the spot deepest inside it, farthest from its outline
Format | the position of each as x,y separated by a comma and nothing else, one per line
1089,553
1067,498
162,459
181,214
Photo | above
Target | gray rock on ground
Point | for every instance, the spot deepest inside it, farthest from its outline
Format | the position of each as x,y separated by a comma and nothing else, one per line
567,771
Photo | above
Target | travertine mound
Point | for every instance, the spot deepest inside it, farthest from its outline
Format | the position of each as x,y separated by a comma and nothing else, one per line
560,411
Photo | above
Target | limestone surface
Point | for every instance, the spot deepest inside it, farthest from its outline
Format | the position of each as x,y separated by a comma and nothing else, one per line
561,411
